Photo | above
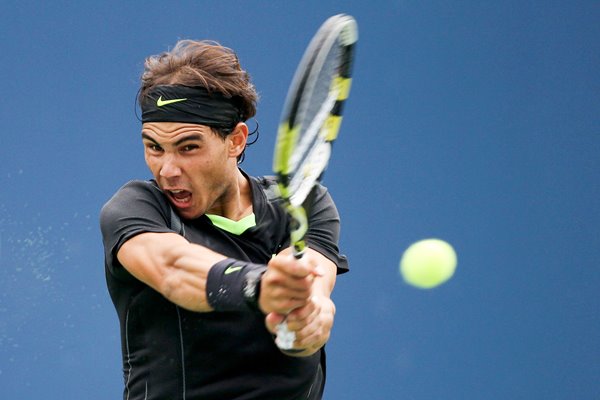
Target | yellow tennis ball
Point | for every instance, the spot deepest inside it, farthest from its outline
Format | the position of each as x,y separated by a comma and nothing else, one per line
428,263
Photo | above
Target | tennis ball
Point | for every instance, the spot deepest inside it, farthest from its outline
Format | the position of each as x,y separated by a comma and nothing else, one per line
428,263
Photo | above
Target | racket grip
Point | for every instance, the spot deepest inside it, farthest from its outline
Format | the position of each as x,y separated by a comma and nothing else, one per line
285,338
299,251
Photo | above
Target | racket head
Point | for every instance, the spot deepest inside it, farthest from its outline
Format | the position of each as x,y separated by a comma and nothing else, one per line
312,113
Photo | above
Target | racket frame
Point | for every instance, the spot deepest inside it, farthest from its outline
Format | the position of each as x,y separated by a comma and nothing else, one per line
300,165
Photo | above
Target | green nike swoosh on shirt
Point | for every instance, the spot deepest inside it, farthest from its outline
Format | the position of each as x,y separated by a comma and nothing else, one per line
160,102
231,270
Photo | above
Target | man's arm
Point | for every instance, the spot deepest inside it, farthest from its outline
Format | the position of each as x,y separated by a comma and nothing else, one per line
312,322
178,270
172,266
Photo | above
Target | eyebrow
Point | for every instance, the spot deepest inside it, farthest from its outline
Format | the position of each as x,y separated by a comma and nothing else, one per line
191,137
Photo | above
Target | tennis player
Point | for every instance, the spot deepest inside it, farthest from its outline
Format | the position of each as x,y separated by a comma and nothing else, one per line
197,259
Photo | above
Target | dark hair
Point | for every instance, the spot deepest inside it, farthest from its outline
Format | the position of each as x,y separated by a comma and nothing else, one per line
207,64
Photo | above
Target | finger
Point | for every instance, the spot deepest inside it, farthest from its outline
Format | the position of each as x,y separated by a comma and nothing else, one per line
294,286
286,306
314,335
304,315
279,291
316,327
283,305
282,300
284,338
272,320
289,265
275,278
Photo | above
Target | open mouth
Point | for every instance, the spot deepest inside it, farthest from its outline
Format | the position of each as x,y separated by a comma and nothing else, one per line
180,198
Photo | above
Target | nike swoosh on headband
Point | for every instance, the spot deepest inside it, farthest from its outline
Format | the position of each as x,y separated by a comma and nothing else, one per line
160,102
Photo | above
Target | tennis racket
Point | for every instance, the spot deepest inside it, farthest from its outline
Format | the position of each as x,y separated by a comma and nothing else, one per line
310,122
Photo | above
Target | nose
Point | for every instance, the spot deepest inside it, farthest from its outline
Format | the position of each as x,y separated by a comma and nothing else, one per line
170,167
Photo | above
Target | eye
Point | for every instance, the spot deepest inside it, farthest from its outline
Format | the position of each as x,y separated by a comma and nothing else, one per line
154,148
189,147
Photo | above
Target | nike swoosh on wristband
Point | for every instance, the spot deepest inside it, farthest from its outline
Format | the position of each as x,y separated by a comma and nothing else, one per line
231,270
160,102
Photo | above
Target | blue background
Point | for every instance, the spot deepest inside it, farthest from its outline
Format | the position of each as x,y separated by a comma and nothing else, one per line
472,121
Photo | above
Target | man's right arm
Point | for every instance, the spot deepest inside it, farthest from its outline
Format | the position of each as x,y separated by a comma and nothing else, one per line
178,270
172,266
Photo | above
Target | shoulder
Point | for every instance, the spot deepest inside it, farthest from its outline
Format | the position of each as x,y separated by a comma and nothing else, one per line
137,207
135,189
135,195
267,185
265,198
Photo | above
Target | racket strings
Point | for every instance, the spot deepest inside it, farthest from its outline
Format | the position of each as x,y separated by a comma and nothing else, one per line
320,98
312,115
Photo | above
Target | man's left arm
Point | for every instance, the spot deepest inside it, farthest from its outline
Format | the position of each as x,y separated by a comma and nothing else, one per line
312,322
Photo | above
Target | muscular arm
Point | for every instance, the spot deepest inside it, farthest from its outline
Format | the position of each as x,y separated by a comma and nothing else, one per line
178,270
172,266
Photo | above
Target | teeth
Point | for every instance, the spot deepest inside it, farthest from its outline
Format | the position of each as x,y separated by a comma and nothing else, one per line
180,195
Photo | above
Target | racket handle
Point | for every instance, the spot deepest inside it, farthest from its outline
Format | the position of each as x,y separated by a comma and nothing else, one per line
285,338
299,251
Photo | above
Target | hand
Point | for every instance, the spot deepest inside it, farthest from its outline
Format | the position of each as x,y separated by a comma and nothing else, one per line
287,283
311,324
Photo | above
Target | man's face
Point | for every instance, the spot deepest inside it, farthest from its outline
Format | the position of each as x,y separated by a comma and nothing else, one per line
193,166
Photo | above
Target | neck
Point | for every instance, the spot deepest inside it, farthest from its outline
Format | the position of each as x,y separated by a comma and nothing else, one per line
236,201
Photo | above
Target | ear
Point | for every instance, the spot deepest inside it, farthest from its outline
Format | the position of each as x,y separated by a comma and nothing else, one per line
237,139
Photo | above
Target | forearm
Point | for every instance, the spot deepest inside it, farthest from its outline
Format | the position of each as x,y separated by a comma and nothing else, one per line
172,266
186,273
325,283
